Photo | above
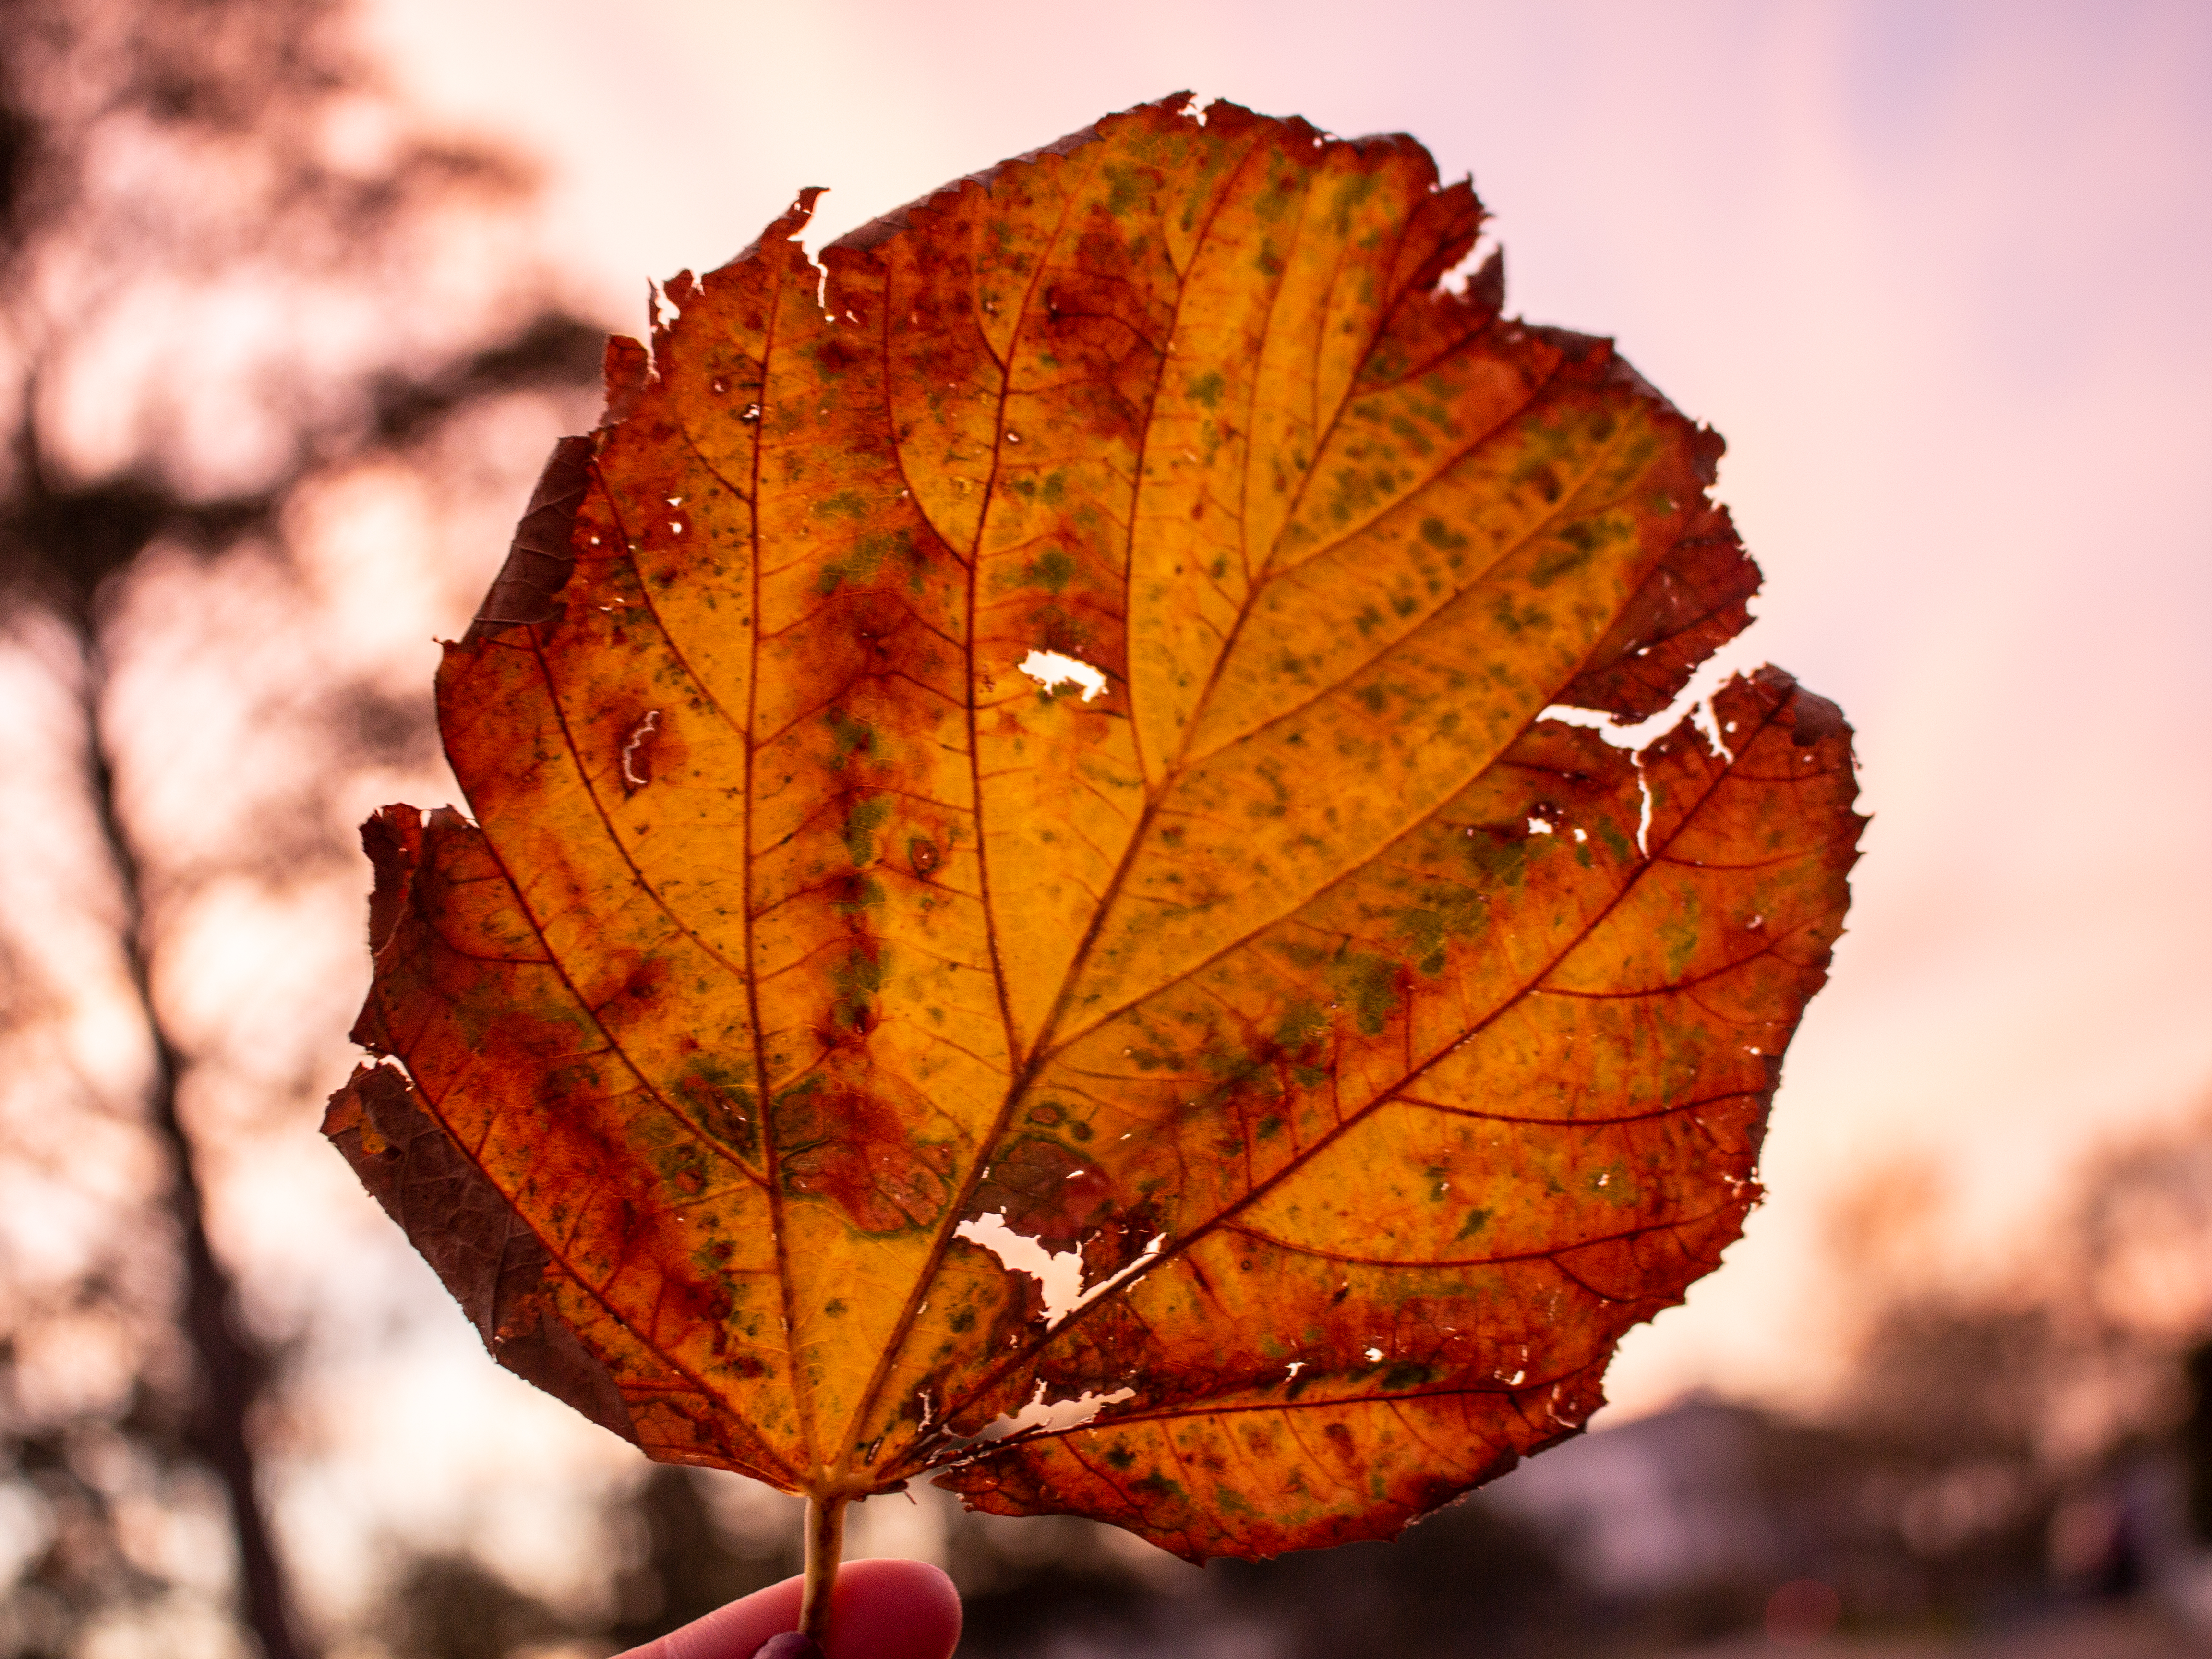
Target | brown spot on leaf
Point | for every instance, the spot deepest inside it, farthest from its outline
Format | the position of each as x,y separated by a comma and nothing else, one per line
837,1140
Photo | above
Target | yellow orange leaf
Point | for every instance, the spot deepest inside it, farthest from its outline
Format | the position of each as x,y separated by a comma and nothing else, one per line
1026,917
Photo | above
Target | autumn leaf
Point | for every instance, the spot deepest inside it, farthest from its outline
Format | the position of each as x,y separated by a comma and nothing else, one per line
1031,915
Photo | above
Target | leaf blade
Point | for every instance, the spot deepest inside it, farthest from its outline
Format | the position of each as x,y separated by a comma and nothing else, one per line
902,1060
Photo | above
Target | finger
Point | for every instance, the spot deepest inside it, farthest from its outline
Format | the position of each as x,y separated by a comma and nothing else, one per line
892,1609
881,1610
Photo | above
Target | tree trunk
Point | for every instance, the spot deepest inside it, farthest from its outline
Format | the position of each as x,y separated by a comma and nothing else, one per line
230,1371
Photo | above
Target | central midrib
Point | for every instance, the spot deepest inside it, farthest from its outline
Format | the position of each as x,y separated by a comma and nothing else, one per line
801,1390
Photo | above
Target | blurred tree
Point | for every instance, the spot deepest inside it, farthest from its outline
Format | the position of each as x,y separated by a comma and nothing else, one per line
688,1562
1466,1580
233,270
1032,1584
2197,1442
452,1607
1951,1459
1985,1419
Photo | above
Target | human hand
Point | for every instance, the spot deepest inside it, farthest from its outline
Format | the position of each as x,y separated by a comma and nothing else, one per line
878,1610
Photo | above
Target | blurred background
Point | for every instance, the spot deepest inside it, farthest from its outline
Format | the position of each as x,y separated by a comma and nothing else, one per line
294,296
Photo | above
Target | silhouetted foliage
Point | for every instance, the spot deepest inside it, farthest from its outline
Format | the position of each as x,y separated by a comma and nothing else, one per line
689,1563
1466,1580
1024,1582
2196,1441
452,1607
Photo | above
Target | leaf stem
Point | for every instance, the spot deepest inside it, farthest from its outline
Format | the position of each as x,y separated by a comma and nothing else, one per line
825,1544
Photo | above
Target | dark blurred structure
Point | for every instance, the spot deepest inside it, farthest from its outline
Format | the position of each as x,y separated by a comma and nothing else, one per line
2197,1442
688,1563
679,1560
453,1606
1022,1584
1473,1579
211,215
1684,1527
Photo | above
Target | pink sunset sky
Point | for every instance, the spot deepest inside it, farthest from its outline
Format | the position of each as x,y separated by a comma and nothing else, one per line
1939,273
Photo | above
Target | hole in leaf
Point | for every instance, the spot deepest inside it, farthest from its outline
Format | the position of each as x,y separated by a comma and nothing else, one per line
1053,668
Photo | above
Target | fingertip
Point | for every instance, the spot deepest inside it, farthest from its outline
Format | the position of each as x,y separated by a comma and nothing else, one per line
893,1609
883,1609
